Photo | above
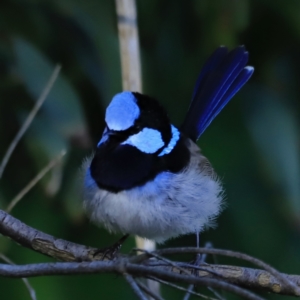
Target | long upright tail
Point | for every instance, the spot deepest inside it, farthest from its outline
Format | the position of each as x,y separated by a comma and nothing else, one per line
221,78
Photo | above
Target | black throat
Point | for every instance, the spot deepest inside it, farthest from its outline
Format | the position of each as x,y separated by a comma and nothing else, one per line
118,167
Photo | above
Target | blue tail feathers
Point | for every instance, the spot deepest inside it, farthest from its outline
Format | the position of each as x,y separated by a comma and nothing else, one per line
221,78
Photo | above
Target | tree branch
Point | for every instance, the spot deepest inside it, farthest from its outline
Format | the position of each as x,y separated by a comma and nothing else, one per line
29,119
44,243
120,266
80,259
135,287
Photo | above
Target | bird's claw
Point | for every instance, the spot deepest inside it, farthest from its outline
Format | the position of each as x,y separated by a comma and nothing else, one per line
110,252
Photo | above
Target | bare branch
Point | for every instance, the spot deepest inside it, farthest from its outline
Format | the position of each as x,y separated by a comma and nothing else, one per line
119,266
218,295
35,180
183,289
199,260
25,280
286,281
135,287
44,243
67,251
148,291
167,261
29,119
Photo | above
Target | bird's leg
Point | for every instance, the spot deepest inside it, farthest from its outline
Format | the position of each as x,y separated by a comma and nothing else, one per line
198,260
198,256
197,239
201,258
111,251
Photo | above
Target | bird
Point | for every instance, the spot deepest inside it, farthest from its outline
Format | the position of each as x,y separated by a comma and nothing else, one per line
148,177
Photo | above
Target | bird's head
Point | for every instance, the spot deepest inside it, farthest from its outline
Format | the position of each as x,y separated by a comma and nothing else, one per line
139,121
138,143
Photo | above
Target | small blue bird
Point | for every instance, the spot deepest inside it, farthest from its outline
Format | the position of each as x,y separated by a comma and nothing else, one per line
147,176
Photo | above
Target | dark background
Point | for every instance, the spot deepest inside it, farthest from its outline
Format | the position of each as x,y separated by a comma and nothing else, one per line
253,144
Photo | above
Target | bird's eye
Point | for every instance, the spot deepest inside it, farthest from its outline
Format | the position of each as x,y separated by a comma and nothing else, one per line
135,129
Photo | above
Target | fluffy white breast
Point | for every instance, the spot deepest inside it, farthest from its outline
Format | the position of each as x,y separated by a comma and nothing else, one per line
122,111
166,207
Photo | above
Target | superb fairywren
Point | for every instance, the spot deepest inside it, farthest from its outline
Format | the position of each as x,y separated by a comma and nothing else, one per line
147,176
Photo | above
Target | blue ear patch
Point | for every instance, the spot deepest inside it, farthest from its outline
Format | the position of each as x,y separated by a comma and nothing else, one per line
122,111
148,140
172,143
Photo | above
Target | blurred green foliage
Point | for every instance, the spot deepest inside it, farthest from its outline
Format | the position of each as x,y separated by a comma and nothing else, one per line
253,144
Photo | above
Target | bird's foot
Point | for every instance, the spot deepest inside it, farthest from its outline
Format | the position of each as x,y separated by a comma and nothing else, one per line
198,260
110,252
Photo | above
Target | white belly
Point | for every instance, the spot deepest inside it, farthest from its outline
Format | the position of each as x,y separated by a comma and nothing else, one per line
169,206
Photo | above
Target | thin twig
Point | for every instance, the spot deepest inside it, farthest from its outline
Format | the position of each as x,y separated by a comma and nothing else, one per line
148,291
197,262
238,255
189,290
203,268
120,267
175,286
25,280
217,294
219,297
29,119
167,261
215,283
135,287
35,180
